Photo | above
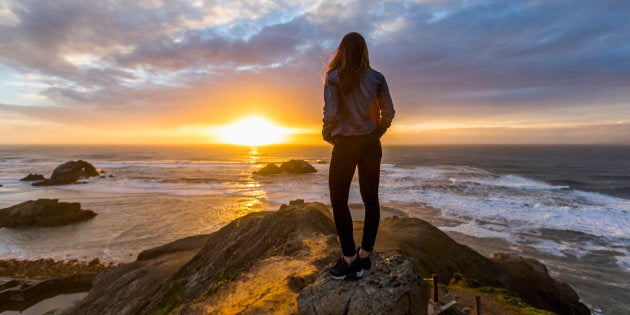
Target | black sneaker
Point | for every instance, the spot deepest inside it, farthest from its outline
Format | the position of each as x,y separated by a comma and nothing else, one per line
366,263
342,270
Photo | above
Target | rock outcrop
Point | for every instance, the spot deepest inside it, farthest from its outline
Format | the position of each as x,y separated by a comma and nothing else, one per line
433,252
255,264
261,262
33,177
43,212
297,167
270,169
19,294
520,273
390,287
291,167
69,173
24,283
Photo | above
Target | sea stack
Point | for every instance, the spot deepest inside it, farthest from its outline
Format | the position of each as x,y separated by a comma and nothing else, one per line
291,167
69,173
33,177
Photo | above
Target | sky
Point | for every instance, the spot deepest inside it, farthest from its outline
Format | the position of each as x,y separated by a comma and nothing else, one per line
162,72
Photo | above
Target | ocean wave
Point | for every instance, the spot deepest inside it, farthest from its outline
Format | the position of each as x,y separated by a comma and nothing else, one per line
512,182
513,208
486,204
191,180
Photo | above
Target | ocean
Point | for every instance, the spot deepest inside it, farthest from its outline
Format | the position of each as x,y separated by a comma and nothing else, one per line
567,206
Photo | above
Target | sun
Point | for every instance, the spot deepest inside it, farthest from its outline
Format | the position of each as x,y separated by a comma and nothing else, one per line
252,131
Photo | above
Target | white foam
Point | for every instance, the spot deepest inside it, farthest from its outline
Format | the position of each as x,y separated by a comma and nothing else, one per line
5,248
523,202
623,262
480,230
511,181
524,206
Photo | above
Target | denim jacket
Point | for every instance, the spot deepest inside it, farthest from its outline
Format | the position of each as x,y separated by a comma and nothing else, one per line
364,110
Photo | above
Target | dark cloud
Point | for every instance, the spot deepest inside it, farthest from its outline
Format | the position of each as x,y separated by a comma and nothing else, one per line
444,57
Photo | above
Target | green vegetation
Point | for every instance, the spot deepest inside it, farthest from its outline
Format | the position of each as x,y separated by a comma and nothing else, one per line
223,279
509,298
172,300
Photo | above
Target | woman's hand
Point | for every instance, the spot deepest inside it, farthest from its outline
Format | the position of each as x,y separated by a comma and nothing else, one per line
380,131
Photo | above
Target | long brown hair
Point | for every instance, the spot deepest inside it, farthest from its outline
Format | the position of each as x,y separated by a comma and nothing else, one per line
351,60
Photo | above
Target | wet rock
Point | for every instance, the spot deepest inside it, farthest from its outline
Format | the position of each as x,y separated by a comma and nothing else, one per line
297,167
33,177
20,294
390,287
43,212
270,169
69,173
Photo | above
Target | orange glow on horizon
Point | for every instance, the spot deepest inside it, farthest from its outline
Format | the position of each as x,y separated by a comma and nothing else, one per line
252,131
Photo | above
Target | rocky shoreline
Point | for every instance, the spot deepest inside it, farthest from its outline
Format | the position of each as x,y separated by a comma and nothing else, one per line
277,261
24,283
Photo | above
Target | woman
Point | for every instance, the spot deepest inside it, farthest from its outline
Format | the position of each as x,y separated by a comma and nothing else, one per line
358,109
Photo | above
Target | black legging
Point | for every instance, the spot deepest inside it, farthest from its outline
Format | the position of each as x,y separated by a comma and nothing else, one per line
348,153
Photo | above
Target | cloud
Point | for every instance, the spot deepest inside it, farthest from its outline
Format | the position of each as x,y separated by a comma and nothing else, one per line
166,62
610,134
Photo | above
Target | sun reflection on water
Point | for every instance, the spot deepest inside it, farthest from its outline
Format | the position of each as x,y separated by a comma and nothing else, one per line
252,188
253,155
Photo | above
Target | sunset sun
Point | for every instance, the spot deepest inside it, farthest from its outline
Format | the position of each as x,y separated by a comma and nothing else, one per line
252,131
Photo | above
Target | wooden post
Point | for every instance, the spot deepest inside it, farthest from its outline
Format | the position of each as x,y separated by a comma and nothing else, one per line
478,305
435,288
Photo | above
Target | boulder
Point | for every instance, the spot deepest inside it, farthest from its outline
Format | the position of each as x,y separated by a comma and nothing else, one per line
33,177
297,167
68,173
270,169
390,287
43,212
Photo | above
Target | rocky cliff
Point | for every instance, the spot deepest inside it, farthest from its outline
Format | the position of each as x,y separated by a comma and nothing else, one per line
262,262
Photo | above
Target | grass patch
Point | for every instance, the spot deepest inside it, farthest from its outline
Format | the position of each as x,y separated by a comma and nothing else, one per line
172,300
510,298
223,279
